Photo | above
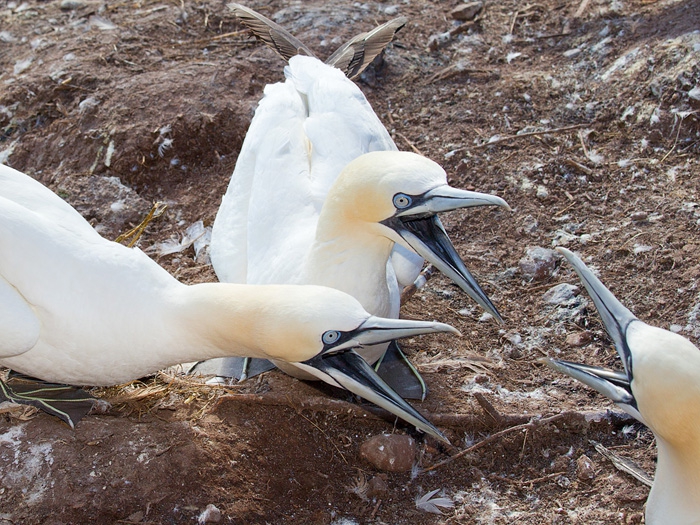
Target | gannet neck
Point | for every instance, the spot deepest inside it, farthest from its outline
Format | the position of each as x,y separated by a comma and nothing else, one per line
352,256
254,321
675,495
666,387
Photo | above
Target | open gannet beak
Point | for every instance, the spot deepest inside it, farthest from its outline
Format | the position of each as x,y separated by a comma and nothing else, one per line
339,365
419,225
616,318
616,385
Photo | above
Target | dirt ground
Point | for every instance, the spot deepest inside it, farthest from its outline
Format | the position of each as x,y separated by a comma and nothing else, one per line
116,105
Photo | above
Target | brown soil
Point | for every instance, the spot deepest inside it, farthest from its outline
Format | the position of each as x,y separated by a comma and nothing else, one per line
98,90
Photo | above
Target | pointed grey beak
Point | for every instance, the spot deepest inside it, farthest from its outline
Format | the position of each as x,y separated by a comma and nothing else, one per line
377,330
612,384
616,318
421,228
339,365
615,385
447,198
349,370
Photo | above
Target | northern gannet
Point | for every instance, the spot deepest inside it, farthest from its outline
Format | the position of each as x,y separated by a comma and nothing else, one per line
76,308
320,195
659,386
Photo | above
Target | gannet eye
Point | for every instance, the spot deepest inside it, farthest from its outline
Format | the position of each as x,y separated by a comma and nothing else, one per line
401,201
330,337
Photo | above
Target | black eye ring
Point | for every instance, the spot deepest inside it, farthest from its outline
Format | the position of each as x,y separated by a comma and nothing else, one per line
330,337
401,201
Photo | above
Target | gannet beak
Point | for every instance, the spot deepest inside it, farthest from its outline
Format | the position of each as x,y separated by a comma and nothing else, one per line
447,198
616,385
339,365
616,318
421,228
347,369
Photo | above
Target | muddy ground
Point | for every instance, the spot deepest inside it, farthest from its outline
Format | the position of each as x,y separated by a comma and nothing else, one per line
116,105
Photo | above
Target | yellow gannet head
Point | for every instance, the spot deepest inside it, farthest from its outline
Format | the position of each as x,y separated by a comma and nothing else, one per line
317,329
397,195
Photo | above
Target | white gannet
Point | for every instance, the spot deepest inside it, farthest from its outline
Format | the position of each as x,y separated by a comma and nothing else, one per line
660,386
76,308
320,195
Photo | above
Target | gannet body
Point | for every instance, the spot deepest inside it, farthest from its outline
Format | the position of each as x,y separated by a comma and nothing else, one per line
76,308
660,386
320,195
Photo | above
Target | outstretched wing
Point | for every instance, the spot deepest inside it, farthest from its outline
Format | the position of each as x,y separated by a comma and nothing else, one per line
354,56
272,34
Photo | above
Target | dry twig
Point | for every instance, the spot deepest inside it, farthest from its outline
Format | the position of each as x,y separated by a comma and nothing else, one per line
528,134
534,423
624,464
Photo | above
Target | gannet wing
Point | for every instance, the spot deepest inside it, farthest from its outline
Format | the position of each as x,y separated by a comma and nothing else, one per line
272,34
34,196
19,326
304,132
267,190
354,56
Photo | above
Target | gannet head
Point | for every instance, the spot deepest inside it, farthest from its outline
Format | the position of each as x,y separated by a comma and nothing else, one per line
398,194
317,329
658,365
660,386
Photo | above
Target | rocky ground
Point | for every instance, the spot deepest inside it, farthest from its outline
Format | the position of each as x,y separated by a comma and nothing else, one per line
582,114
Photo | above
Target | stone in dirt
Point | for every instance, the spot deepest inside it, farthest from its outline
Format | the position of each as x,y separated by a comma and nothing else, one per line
390,452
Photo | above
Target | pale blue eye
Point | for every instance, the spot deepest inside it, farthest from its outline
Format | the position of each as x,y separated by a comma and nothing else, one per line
330,337
401,201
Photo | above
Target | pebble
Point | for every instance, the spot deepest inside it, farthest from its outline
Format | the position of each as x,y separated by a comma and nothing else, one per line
579,339
209,515
538,264
377,487
585,468
675,328
390,452
391,10
638,216
467,11
561,293
71,5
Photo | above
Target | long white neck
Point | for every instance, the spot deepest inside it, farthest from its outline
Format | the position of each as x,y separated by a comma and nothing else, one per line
143,333
675,495
352,257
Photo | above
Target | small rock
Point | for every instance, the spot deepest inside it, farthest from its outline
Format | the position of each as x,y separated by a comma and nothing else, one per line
675,328
377,487
136,517
694,93
538,264
391,10
561,293
71,5
542,192
578,339
585,469
390,452
209,515
530,224
467,11
481,379
638,216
